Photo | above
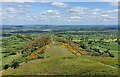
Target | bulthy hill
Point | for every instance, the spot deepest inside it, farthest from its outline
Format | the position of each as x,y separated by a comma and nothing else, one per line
56,56
32,49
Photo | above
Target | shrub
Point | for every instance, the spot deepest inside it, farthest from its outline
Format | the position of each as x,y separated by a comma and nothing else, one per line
13,53
105,54
15,64
111,55
82,45
40,56
89,42
108,53
6,66
97,50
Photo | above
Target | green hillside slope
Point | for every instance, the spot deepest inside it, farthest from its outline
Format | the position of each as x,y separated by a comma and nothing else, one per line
59,61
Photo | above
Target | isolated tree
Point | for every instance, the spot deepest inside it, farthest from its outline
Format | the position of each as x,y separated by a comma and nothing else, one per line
15,64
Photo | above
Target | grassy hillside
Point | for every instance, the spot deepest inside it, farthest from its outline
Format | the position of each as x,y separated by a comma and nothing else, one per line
60,53
61,62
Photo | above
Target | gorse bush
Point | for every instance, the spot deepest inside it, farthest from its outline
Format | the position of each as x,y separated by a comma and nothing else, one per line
35,45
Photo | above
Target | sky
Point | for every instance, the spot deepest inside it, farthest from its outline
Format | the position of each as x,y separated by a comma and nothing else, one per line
60,0
58,13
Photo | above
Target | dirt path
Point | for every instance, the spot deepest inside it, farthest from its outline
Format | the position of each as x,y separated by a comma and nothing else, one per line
57,51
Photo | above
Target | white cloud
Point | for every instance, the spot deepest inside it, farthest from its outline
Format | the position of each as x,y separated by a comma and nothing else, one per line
94,13
97,9
75,17
25,5
102,0
10,18
59,4
44,1
82,13
107,17
72,20
61,1
113,3
50,12
56,16
11,10
53,12
112,11
18,0
81,10
36,18
74,14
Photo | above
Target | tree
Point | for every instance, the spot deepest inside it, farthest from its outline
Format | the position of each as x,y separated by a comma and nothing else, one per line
89,42
82,45
15,64
107,51
97,50
111,55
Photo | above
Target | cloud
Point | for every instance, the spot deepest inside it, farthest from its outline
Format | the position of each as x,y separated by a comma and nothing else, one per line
37,18
11,10
112,11
113,3
70,20
50,12
18,0
116,4
56,16
105,1
30,18
44,1
83,13
25,5
107,17
59,4
9,17
79,10
75,17
53,12
61,1
49,15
